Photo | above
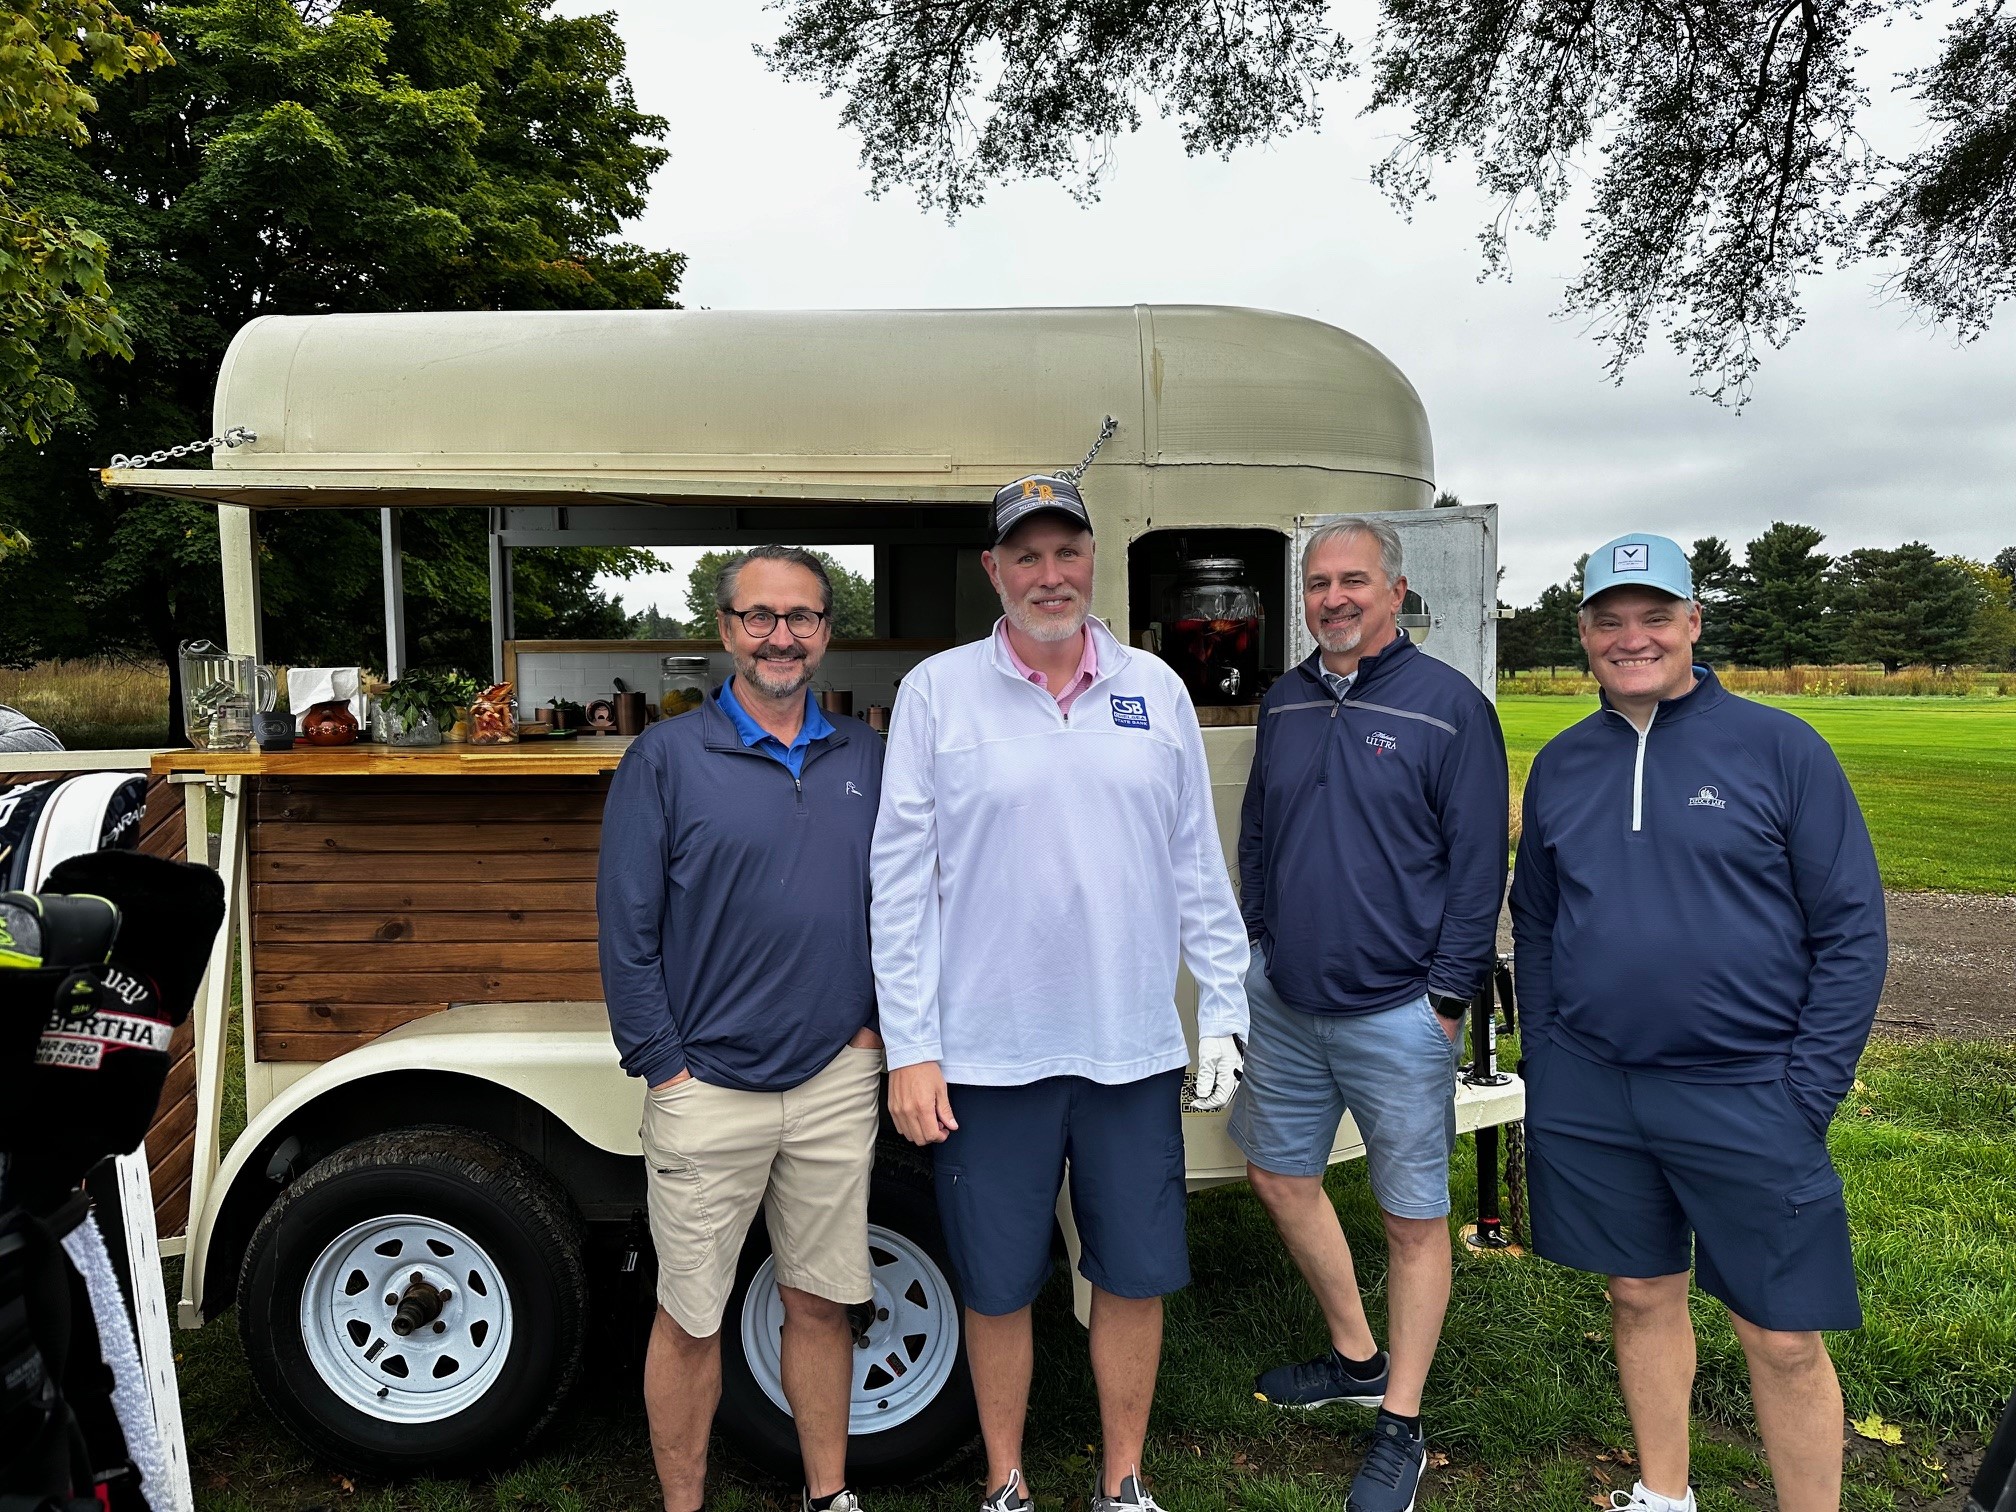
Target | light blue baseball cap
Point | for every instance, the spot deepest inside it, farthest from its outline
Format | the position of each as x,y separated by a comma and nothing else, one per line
1650,561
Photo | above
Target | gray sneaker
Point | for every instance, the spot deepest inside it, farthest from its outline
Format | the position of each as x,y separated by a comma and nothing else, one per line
1131,1498
1009,1498
843,1501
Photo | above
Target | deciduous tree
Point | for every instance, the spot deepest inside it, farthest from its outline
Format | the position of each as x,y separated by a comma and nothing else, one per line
480,155
1720,137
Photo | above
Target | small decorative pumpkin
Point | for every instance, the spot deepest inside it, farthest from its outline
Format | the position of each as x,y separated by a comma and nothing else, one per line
329,724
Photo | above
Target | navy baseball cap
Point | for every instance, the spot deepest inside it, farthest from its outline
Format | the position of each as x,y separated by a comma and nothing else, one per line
1039,493
1650,561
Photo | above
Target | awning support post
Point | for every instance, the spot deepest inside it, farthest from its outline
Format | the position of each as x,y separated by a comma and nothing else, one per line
395,594
501,628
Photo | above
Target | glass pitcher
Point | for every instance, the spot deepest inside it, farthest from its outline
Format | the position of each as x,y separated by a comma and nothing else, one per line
220,694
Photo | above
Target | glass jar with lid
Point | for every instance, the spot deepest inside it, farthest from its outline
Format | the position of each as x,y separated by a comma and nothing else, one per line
1211,632
683,684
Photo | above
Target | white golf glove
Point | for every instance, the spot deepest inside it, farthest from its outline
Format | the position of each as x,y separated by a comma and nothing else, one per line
1218,1066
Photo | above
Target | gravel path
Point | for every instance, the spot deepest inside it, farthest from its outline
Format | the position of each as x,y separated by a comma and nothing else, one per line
1952,966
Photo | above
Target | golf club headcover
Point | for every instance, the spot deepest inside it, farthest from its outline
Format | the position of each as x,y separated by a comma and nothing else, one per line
49,949
170,912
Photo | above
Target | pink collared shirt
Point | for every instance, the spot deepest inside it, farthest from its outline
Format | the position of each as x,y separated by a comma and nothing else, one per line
1083,678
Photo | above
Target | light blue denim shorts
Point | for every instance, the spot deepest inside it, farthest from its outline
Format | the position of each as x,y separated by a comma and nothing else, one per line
1393,1070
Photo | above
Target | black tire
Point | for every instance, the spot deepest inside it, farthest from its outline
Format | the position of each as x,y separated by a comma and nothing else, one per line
531,1240
901,1202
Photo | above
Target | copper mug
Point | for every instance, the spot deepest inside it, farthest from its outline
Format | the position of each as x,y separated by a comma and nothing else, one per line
878,717
837,701
630,713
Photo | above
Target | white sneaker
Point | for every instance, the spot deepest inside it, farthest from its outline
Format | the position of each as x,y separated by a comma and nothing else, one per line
843,1501
1009,1498
1638,1499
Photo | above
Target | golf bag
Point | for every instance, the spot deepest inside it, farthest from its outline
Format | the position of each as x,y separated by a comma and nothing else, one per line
97,968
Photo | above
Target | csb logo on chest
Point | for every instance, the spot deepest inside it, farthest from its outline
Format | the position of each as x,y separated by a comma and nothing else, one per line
1130,713
1382,744
1708,797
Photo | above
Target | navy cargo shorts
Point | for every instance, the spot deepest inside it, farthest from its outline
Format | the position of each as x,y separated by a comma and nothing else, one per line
1629,1171
998,1175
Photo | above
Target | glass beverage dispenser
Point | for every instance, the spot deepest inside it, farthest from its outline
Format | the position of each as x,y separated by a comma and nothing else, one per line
1211,632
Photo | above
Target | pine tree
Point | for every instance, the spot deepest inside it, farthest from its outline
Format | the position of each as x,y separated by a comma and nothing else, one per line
1714,579
1778,615
1905,606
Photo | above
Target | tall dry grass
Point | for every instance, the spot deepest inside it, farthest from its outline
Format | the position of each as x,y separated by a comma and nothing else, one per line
92,704
1839,682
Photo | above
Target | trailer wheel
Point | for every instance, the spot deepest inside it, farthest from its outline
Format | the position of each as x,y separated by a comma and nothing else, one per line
911,1407
416,1302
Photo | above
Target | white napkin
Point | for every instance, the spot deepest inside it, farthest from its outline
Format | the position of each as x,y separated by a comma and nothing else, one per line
308,686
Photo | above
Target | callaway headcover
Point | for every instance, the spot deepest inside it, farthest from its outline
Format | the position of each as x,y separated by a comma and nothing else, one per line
170,912
103,1051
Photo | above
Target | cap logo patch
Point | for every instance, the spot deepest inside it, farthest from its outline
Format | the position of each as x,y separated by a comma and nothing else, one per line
1042,491
1634,557
1130,713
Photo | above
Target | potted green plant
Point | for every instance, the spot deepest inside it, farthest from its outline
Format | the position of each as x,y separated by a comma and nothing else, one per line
425,703
567,714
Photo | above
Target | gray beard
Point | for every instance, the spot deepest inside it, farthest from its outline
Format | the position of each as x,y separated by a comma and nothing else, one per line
755,669
1044,632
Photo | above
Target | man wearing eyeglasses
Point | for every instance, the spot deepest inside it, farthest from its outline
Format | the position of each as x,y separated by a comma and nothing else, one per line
733,903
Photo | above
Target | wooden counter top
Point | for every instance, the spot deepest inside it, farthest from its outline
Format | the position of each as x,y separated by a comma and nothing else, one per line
584,756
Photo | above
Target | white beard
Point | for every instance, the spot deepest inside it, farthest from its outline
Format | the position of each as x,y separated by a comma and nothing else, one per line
1045,630
1344,638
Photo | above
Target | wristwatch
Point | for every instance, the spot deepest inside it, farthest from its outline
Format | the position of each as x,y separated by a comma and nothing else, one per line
1448,1007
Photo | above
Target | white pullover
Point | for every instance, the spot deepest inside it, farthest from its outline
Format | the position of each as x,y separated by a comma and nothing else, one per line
1035,875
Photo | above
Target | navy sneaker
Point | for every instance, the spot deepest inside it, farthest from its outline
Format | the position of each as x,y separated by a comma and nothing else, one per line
1391,1473
1321,1381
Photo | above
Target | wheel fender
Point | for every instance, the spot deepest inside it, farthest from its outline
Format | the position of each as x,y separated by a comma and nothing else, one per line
558,1056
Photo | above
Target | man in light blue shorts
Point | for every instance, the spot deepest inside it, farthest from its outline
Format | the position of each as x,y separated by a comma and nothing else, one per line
1371,864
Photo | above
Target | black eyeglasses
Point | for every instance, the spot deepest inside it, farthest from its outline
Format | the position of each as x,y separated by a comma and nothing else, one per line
802,623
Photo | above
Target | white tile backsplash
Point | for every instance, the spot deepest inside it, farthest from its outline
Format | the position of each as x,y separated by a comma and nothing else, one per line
584,676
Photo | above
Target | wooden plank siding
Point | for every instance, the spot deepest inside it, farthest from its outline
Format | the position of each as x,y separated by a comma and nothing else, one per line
376,901
171,1138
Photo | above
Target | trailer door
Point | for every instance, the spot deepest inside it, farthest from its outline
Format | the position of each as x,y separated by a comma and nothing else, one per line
1450,557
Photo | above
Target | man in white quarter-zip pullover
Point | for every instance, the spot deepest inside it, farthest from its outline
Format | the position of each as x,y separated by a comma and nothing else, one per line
1044,853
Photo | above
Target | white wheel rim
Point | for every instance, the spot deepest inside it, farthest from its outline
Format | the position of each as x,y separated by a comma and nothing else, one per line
908,1353
443,1367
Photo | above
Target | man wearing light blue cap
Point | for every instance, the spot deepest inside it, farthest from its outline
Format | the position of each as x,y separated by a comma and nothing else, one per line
1700,944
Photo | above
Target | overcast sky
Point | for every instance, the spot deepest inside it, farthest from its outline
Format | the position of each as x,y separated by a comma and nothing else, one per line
1869,425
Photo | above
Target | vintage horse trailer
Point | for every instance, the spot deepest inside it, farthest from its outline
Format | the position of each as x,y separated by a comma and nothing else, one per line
430,1084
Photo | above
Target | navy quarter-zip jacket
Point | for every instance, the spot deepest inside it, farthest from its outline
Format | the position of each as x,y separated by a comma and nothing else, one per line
1373,837
1700,902
732,902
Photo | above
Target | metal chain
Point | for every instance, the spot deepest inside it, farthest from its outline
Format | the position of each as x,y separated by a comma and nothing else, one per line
1074,474
237,436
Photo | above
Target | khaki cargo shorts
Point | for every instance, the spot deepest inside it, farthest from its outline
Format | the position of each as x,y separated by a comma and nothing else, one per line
715,1155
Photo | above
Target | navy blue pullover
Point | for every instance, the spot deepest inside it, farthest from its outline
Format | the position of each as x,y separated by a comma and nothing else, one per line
1373,837
1700,902
733,902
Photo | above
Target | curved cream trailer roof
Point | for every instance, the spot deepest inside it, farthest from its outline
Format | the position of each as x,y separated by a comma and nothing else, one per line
1224,414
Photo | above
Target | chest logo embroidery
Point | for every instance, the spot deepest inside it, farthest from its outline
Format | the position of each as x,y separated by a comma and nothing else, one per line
1381,743
1708,797
1130,713
855,792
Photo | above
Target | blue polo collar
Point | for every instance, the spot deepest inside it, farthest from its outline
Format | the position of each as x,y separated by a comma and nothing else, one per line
816,725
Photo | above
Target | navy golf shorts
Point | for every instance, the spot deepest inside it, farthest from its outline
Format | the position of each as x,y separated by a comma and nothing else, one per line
1629,1172
999,1172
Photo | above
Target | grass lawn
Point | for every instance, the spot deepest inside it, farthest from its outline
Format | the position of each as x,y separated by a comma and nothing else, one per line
1936,777
1522,1401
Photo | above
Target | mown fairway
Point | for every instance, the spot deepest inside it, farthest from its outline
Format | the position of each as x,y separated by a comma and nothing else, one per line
1523,1410
1936,776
